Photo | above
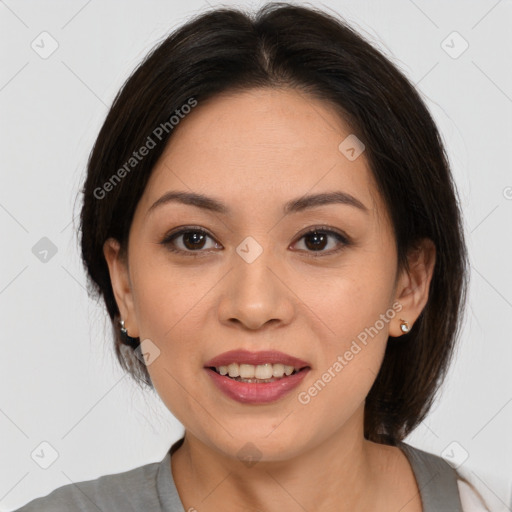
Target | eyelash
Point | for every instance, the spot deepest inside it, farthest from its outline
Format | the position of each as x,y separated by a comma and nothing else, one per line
170,237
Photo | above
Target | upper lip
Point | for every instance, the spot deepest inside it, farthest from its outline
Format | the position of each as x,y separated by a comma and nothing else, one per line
255,358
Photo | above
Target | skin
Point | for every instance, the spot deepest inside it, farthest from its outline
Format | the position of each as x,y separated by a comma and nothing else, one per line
254,151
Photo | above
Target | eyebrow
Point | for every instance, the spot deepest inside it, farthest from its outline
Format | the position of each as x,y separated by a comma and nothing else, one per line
293,206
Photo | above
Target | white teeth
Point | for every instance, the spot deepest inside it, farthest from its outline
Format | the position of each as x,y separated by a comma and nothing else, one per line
264,371
260,371
233,370
279,370
247,371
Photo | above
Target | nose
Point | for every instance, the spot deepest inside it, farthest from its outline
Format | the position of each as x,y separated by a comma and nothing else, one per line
255,294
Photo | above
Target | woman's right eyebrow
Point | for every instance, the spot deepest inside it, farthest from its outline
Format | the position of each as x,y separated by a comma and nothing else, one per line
190,198
293,206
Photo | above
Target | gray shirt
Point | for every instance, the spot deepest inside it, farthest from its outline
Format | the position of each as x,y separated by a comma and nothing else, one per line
151,488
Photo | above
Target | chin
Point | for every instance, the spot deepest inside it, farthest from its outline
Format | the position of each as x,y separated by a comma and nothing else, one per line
262,443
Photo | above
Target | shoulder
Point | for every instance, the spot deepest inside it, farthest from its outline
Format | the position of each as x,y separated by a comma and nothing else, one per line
130,490
435,472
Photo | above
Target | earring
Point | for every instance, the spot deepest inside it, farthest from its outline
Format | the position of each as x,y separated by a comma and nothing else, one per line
404,326
126,339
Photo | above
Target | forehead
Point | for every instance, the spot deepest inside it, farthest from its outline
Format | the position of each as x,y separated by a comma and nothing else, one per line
261,145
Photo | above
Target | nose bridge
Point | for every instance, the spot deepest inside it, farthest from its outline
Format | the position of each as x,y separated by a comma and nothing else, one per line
256,294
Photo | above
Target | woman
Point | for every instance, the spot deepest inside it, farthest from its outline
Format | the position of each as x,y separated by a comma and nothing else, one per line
270,218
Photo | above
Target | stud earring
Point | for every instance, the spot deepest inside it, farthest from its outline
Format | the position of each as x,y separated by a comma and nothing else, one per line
404,326
126,339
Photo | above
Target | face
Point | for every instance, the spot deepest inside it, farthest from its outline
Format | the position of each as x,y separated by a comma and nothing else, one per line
257,277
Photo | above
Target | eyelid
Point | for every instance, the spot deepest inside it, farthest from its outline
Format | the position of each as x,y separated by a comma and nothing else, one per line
324,229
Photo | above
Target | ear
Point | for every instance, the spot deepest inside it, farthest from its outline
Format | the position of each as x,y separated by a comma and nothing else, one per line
121,285
413,284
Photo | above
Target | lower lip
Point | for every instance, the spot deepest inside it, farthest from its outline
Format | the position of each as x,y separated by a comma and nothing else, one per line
257,393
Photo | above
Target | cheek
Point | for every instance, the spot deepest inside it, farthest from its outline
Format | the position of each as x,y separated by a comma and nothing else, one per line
358,323
168,297
349,360
348,301
353,310
170,305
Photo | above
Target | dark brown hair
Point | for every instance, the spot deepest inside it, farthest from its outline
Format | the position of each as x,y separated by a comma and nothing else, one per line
283,45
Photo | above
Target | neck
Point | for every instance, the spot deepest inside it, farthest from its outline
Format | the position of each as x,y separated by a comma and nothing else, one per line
338,474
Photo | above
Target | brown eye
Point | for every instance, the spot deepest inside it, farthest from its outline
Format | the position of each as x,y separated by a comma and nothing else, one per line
188,241
318,240
193,240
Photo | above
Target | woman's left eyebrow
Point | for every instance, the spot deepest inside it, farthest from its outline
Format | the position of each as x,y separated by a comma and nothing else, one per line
321,199
293,206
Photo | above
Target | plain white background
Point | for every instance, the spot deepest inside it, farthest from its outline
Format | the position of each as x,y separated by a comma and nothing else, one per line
60,382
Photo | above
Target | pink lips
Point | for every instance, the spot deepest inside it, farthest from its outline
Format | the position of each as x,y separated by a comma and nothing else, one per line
255,358
257,392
